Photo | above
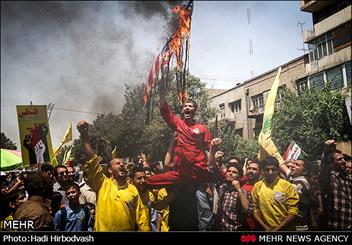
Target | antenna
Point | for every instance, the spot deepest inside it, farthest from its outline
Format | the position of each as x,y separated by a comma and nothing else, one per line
301,25
250,41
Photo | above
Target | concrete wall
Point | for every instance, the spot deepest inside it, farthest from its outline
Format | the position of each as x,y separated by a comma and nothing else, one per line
261,84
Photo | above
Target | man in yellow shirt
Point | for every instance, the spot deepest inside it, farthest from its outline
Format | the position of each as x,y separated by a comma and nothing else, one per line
275,201
119,206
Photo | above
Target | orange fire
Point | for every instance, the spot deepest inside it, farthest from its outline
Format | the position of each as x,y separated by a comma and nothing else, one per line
183,31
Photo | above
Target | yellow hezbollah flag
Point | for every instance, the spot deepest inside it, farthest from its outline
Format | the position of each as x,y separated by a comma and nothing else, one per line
67,138
266,145
68,134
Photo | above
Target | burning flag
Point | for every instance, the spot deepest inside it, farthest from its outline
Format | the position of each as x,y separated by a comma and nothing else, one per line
177,46
294,152
266,144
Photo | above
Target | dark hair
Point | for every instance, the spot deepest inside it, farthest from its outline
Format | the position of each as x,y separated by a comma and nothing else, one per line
308,166
270,161
135,170
74,186
47,167
238,166
56,168
255,160
191,101
5,200
36,184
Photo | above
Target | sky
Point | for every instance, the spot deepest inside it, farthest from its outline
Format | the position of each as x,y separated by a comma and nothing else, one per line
79,55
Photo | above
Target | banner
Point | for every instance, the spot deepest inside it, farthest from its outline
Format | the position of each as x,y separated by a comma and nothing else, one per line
266,144
35,136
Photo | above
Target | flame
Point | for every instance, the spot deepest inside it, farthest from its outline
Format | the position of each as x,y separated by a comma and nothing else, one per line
183,31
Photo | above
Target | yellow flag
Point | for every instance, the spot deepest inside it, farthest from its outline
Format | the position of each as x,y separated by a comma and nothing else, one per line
54,162
114,153
67,138
266,145
67,155
68,134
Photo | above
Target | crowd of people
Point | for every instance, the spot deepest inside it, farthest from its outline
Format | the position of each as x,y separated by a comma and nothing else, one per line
192,189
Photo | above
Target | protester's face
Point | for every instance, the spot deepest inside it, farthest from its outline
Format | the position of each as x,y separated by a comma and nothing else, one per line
62,176
232,174
72,194
117,168
21,198
349,167
188,110
270,172
290,165
298,168
253,172
70,173
339,160
148,174
139,180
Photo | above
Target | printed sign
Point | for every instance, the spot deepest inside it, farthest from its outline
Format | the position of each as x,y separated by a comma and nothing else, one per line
34,134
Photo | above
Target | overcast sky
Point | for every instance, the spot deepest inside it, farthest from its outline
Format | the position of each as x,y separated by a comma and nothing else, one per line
80,55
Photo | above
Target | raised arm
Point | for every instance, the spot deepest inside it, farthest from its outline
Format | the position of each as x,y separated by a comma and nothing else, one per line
214,145
83,129
92,166
243,199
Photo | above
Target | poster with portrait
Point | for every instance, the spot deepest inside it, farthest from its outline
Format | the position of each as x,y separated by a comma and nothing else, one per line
35,137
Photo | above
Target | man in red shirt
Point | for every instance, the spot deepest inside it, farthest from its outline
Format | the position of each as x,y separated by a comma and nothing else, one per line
193,140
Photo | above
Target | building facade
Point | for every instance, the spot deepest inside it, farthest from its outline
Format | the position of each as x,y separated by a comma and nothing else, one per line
328,59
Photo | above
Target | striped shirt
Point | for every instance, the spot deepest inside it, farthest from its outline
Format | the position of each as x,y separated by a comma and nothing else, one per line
232,217
340,201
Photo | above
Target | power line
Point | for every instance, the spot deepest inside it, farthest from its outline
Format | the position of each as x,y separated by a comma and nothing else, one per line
65,109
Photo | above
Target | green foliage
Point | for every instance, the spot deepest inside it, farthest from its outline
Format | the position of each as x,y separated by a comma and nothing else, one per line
247,148
6,143
311,118
234,145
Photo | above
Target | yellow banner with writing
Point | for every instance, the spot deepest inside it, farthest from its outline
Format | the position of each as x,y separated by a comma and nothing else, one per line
35,136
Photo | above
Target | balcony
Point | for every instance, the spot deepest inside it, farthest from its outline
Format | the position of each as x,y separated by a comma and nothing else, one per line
337,58
333,21
308,35
314,5
328,24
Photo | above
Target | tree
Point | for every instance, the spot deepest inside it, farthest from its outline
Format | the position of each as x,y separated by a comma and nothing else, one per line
233,144
310,118
6,143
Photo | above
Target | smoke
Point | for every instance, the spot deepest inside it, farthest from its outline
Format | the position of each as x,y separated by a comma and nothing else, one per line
77,55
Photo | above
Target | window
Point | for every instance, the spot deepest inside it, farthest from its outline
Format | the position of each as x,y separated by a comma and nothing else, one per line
335,76
302,85
330,43
258,103
280,93
222,110
316,80
348,67
235,106
321,47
